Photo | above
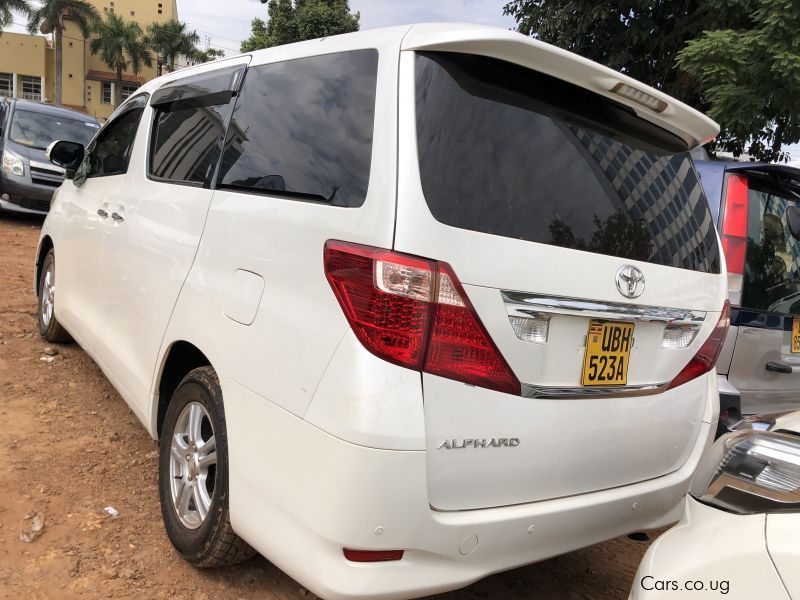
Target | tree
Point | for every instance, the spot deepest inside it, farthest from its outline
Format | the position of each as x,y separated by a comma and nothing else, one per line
751,79
644,38
50,16
198,56
641,38
6,16
122,46
170,39
300,20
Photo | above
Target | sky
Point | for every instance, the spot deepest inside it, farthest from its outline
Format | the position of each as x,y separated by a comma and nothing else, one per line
228,31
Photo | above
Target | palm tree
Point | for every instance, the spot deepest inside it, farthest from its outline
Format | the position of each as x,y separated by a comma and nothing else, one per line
171,39
49,17
6,16
121,45
198,56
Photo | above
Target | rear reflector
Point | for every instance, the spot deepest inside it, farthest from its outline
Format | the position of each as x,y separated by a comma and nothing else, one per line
372,555
706,357
734,223
414,312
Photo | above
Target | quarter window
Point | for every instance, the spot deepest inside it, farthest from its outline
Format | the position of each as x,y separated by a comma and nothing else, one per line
185,142
303,129
111,152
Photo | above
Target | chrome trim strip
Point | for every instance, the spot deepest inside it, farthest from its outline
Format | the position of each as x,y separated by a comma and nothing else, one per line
572,393
54,169
523,304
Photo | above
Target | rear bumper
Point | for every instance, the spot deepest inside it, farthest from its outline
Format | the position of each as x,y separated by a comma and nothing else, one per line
299,496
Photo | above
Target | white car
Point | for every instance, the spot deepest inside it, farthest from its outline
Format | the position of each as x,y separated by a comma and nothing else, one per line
740,529
404,308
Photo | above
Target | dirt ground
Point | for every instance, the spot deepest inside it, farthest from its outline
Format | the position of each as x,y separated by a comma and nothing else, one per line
69,447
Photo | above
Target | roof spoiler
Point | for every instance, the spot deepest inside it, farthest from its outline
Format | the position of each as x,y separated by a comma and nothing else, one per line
690,125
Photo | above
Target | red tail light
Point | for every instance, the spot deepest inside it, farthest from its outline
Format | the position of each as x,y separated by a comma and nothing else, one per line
734,223
413,312
706,357
372,555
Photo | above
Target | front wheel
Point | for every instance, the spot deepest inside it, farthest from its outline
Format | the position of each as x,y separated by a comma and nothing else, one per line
49,327
193,474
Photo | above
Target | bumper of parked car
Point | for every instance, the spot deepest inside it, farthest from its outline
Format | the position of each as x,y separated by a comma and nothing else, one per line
300,496
712,553
22,195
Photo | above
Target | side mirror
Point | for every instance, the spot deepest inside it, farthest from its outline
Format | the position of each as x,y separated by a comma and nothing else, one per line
67,155
793,221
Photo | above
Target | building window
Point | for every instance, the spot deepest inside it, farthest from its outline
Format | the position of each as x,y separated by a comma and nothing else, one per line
31,87
128,89
133,13
6,84
70,44
106,98
160,11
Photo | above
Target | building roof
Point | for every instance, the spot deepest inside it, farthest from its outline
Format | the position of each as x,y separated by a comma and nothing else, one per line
112,77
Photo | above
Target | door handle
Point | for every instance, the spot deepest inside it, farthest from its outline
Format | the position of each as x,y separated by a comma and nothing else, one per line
778,367
117,217
103,213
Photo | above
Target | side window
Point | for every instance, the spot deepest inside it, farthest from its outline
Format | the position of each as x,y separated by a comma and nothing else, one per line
303,129
111,151
184,144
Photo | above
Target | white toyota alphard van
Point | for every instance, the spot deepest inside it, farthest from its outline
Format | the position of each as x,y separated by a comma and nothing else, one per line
365,290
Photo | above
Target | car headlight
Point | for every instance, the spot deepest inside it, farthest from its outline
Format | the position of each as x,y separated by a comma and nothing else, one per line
751,472
12,164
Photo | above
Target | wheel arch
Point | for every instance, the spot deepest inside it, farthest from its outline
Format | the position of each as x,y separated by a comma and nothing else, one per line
45,245
178,361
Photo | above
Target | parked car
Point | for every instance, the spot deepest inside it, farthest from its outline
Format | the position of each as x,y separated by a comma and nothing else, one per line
398,304
755,208
739,531
27,128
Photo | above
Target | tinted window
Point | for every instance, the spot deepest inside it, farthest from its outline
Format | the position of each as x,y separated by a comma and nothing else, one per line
39,130
772,261
184,145
111,150
507,151
303,128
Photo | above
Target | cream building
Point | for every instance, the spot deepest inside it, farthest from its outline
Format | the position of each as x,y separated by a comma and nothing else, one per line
27,62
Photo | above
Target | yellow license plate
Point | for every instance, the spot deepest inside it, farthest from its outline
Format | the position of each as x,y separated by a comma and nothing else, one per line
796,334
608,352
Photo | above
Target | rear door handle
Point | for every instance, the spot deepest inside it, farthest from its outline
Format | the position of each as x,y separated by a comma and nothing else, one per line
779,367
102,212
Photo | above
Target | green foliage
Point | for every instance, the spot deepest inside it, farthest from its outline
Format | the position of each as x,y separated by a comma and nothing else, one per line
201,56
171,39
300,20
737,60
122,46
751,79
641,38
6,16
49,17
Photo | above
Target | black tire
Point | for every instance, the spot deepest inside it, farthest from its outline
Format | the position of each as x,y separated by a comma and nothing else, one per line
213,543
49,327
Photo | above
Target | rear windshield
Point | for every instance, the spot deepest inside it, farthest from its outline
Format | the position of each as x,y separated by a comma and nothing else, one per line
39,130
772,263
507,151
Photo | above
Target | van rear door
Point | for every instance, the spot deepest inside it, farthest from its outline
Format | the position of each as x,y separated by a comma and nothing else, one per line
765,366
582,239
